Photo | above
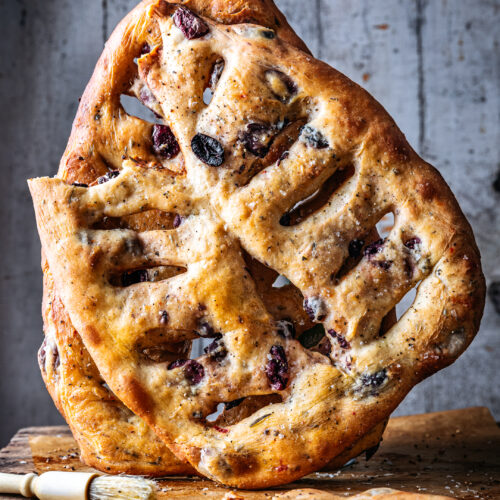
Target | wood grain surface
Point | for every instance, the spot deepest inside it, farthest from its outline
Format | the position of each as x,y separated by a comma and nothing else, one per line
454,453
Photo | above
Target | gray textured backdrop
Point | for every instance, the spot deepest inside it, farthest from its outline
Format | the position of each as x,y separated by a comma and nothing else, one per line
435,65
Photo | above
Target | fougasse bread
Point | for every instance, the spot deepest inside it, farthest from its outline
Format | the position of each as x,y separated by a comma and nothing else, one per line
266,162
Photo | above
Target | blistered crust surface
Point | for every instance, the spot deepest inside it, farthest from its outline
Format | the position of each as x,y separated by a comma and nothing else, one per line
279,127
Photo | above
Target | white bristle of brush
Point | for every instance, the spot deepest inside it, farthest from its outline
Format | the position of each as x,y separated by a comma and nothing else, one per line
56,485
121,487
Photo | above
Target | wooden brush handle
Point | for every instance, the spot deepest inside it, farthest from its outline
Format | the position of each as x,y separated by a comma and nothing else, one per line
51,485
19,485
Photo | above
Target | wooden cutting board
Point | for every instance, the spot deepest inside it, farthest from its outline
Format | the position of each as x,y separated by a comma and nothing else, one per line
453,453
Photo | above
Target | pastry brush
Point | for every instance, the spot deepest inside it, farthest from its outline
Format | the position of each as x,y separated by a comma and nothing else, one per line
55,485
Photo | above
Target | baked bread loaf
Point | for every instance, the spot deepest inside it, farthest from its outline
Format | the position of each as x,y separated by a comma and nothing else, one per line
291,165
109,438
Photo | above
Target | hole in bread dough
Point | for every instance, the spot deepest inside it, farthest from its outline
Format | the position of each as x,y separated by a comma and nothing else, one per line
149,220
406,302
134,107
281,281
207,96
215,415
146,274
213,80
282,298
286,134
198,345
357,246
232,412
154,347
385,225
314,202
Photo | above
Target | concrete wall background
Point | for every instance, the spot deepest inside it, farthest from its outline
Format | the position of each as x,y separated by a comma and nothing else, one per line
434,64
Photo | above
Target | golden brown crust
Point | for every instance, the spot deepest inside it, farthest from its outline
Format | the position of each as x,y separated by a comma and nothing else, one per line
111,438
96,146
102,129
331,396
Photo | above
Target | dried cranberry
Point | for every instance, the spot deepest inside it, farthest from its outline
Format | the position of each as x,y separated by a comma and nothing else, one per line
133,277
340,339
107,177
177,363
355,247
285,328
233,404
312,337
164,317
164,142
194,372
412,243
190,24
373,248
315,308
208,150
178,220
221,429
216,73
277,368
374,380
206,331
80,184
314,138
256,139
